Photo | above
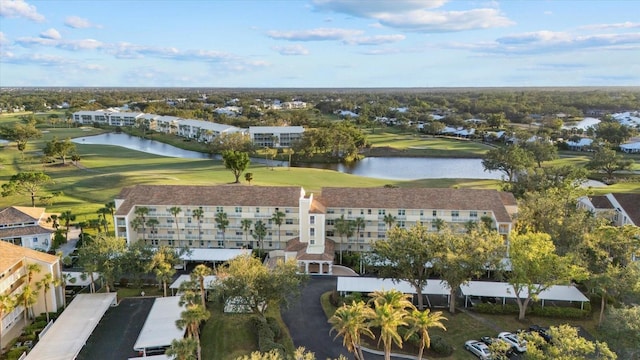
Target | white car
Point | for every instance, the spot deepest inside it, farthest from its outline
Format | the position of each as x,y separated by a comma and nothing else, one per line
478,348
513,340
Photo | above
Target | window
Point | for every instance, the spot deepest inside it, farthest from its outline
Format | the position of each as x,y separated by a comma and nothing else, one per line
381,211
368,211
313,242
330,211
401,212
171,242
349,212
421,212
238,209
361,211
219,209
401,223
331,222
189,220
312,220
312,232
330,233
257,210
435,213
288,221
220,243
455,213
473,214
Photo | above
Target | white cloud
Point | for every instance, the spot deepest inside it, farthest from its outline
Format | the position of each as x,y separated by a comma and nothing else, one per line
319,34
19,9
624,25
375,40
37,59
368,9
3,38
51,34
291,50
82,44
445,21
76,22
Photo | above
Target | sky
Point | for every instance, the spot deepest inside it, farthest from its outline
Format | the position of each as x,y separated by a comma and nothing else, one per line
319,43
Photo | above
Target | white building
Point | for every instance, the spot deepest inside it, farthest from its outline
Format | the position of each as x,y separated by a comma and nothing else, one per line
275,136
27,227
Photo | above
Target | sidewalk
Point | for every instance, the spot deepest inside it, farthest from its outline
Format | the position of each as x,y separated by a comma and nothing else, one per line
68,248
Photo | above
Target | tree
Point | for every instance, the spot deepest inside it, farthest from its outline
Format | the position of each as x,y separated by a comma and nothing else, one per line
27,298
566,344
510,160
67,216
198,214
358,223
403,255
7,304
134,262
246,226
278,219
199,273
45,285
391,311
613,132
163,264
621,330
183,349
459,258
141,213
420,322
351,322
103,255
102,216
607,160
230,142
175,210
259,232
222,222
22,134
30,182
255,285
191,318
535,267
541,151
342,228
248,177
61,149
236,161
389,219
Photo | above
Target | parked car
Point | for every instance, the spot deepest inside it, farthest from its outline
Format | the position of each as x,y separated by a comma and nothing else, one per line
542,331
478,348
512,339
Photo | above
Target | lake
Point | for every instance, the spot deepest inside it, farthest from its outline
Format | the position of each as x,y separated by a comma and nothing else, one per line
390,168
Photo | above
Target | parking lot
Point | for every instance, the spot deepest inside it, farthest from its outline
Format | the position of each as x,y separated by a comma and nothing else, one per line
118,330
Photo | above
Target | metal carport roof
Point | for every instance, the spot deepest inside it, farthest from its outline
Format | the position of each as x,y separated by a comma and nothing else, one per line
160,327
367,285
212,254
505,290
69,333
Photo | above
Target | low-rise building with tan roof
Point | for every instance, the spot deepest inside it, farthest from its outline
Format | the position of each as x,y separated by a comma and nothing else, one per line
14,263
26,226
308,220
620,208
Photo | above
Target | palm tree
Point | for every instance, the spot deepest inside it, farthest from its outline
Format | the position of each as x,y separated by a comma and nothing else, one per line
191,319
27,298
162,264
358,223
222,223
438,224
389,219
278,219
183,349
65,279
246,226
152,223
102,216
198,214
175,210
53,219
67,217
341,228
199,272
350,322
81,225
390,314
111,206
141,212
45,284
7,304
420,322
259,232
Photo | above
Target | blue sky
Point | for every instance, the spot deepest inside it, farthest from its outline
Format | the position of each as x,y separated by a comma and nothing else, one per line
319,43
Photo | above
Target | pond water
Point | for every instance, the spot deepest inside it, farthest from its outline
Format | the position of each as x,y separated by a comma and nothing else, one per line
395,168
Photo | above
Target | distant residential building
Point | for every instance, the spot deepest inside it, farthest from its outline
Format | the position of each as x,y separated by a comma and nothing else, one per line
309,225
275,136
14,261
27,227
583,144
620,208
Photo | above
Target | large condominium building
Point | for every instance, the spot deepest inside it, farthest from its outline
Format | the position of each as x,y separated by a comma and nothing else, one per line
190,216
26,226
275,136
14,263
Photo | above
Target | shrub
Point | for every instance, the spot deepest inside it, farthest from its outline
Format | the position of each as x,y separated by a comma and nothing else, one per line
274,326
548,311
440,346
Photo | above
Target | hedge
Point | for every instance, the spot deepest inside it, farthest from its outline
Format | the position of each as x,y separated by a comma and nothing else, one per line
547,311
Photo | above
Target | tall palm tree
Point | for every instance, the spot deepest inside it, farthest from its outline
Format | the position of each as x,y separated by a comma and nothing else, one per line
222,223
246,226
391,311
65,279
198,214
259,232
278,219
152,223
175,210
102,216
183,349
27,298
420,322
67,217
389,219
7,304
111,206
81,225
394,297
341,228
191,319
439,224
45,285
53,219
358,223
31,270
351,322
162,264
199,272
141,213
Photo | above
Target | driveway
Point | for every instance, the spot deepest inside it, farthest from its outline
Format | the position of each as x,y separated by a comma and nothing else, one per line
307,323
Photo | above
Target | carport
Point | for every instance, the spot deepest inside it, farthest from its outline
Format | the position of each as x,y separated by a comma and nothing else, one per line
505,291
160,329
68,334
208,282
211,255
349,284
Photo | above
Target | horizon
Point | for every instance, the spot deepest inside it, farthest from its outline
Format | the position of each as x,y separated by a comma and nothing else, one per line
319,44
